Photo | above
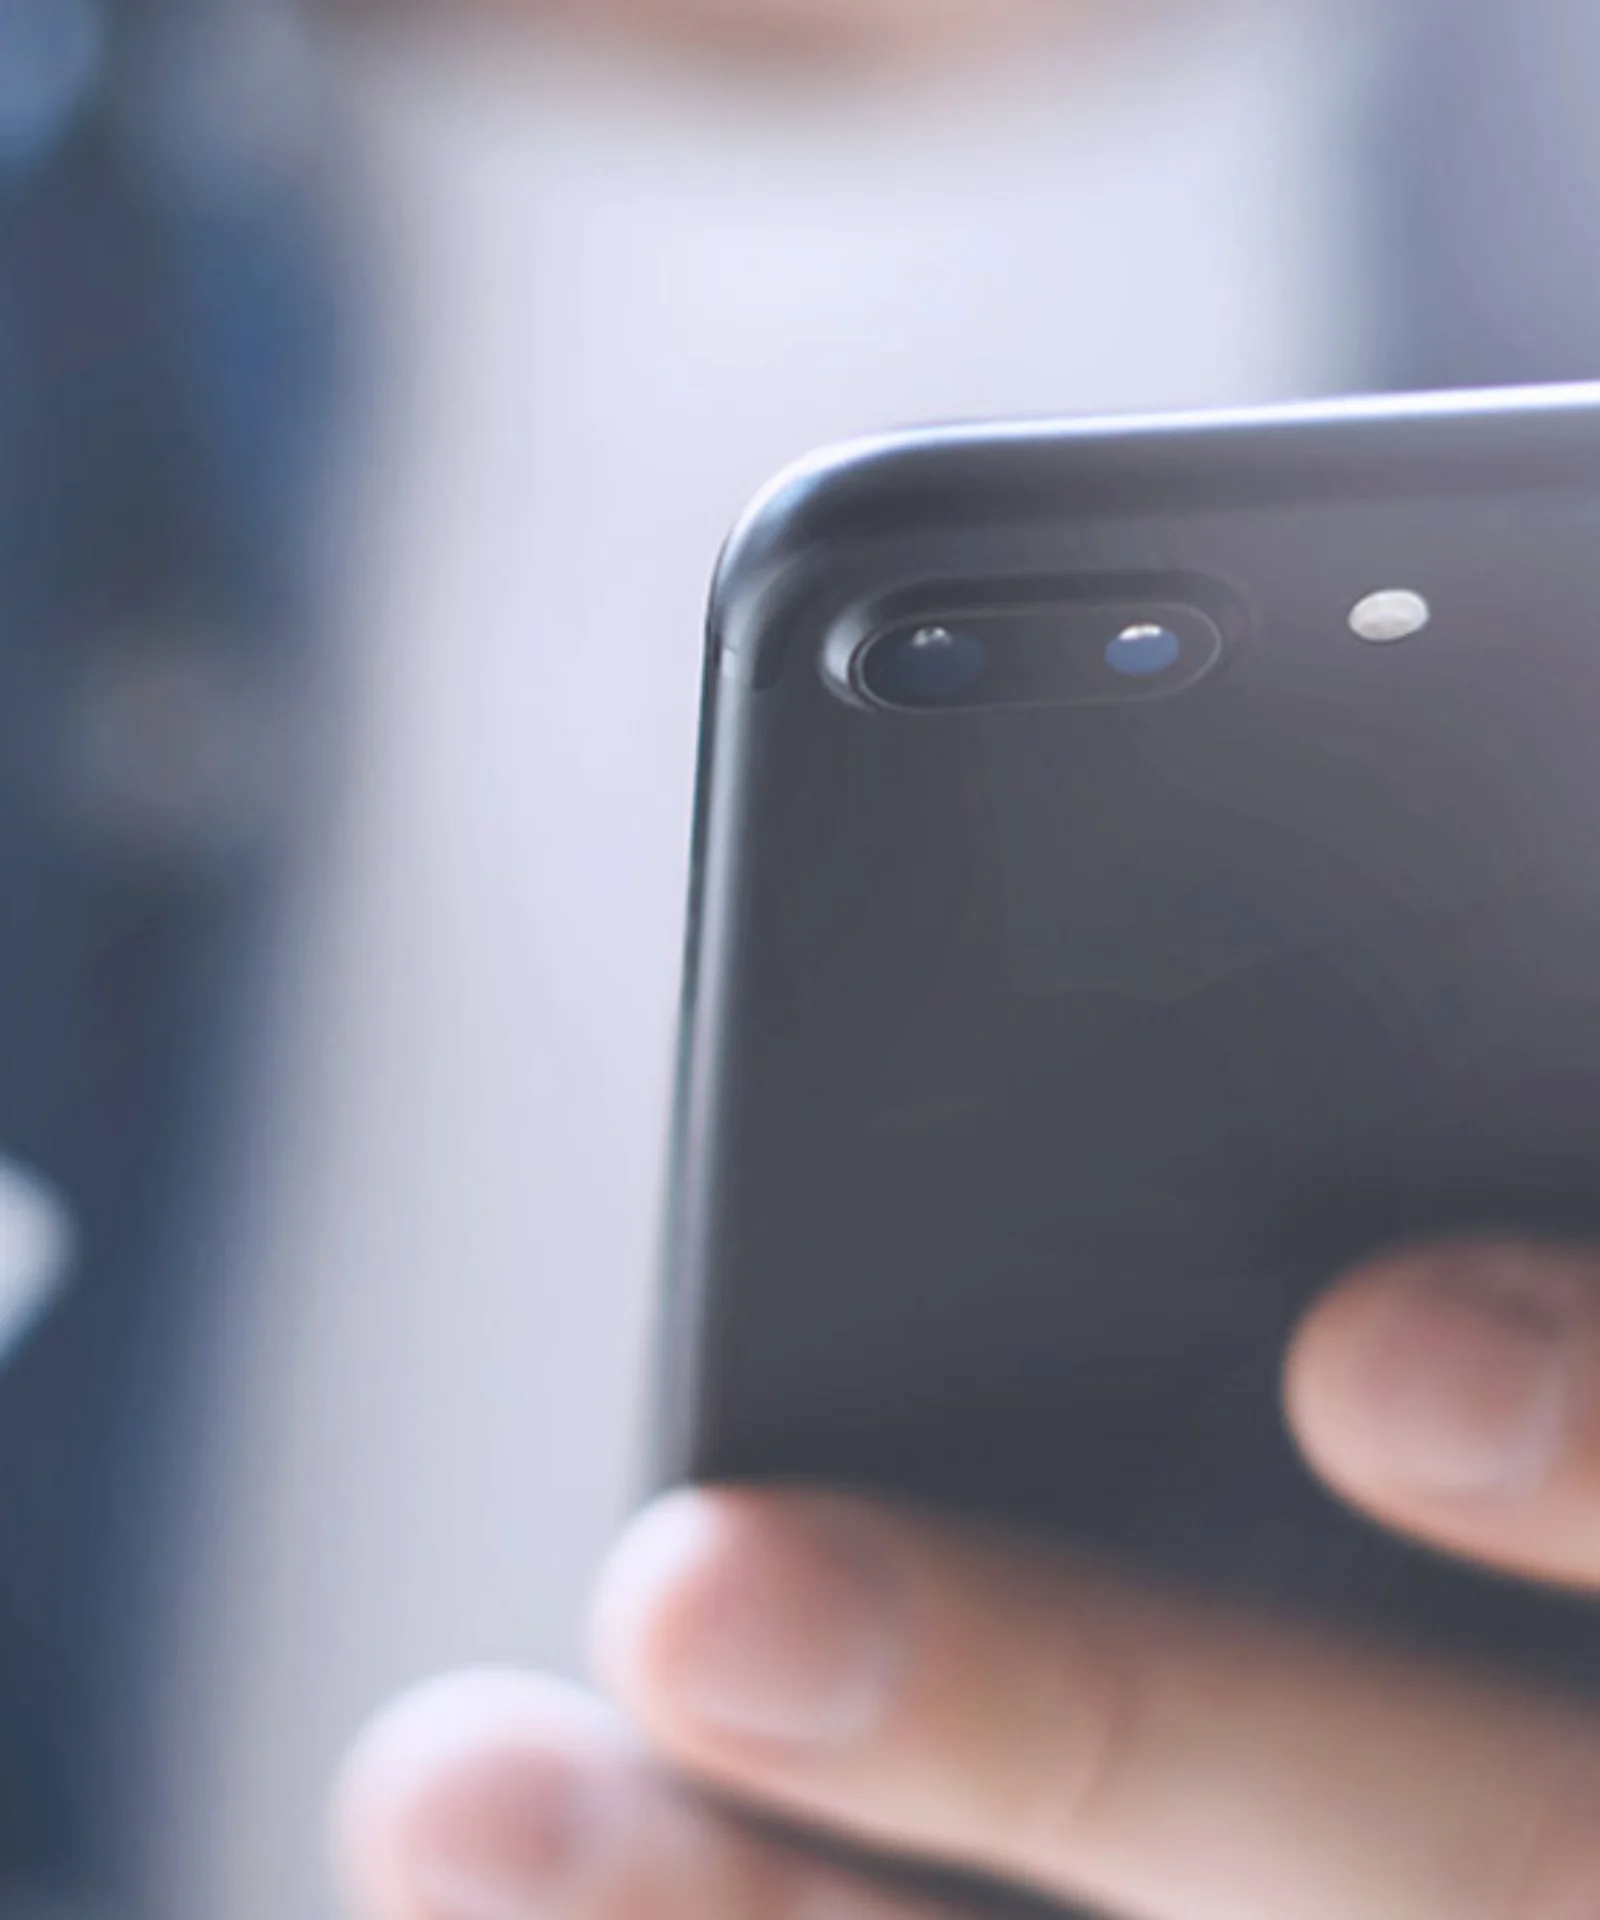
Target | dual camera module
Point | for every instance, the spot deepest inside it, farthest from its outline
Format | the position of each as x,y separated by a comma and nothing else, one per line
1054,654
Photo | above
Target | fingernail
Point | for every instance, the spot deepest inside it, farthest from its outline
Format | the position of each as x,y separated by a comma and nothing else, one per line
770,1619
1463,1376
511,1842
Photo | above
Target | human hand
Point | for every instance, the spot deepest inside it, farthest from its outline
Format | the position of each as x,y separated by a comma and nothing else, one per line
866,34
965,1701
864,28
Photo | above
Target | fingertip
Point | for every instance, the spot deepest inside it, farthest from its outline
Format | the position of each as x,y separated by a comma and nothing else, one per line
1443,1372
467,1790
1316,1370
649,1575
743,1620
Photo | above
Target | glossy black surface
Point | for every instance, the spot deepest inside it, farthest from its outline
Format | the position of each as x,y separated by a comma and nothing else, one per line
1040,1064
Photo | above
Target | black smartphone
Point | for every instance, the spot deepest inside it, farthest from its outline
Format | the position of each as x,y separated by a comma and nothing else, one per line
1141,868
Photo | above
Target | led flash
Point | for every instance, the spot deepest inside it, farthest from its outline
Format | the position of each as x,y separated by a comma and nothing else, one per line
1396,614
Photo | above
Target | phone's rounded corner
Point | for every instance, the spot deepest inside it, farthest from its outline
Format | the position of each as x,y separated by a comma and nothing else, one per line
785,526
791,545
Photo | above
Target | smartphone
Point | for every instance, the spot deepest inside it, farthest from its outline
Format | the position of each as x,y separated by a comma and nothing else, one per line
1141,868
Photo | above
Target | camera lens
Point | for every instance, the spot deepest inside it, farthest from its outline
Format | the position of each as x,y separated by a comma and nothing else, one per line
927,668
1045,652
1141,652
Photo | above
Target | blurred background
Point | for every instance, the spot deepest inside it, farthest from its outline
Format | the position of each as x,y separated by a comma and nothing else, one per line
376,384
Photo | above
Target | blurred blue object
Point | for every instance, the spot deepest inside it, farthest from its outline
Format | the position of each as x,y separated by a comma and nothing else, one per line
166,382
51,55
1484,190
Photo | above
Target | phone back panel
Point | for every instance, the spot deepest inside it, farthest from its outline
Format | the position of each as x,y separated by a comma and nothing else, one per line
1041,1065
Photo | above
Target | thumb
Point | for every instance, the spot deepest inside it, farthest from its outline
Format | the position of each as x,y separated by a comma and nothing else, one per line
1453,1392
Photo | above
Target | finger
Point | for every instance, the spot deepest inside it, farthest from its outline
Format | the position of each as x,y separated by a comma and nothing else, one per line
503,1797
1454,1392
976,1704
